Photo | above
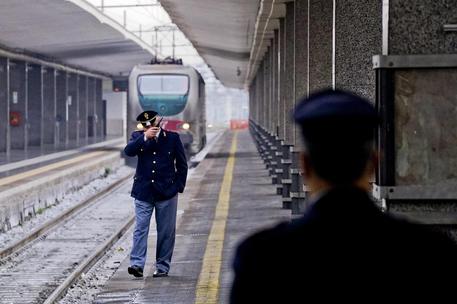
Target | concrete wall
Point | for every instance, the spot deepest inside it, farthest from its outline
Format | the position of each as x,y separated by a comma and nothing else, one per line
416,27
301,58
320,44
358,30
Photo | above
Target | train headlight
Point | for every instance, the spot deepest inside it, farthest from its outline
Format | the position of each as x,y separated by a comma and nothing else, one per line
185,126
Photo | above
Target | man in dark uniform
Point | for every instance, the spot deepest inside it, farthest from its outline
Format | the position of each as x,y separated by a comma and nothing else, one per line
160,174
344,248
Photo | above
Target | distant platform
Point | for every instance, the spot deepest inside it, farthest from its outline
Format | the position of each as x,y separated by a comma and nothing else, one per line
33,157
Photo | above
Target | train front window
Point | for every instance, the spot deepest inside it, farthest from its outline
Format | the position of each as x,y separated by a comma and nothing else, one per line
163,84
165,94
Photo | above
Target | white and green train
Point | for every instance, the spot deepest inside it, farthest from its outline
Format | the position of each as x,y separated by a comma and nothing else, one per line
177,93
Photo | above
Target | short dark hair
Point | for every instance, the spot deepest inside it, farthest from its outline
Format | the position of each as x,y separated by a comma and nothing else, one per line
338,129
339,165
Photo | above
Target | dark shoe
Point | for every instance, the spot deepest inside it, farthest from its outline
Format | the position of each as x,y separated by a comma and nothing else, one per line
160,274
136,271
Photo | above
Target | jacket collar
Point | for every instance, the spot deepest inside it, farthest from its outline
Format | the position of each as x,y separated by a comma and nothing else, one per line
342,203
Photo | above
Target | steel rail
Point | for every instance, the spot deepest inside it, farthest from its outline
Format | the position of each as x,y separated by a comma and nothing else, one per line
49,225
60,291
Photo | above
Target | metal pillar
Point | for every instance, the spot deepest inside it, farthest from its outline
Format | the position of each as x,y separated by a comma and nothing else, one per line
18,105
34,105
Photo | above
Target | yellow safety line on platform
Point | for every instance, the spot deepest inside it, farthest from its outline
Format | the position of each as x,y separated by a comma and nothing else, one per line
208,281
33,172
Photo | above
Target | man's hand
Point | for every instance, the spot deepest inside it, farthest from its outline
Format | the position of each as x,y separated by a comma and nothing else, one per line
151,132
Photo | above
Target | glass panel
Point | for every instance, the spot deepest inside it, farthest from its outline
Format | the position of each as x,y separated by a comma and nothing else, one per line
163,84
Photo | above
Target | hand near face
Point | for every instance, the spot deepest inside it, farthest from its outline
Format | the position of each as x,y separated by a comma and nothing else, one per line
152,132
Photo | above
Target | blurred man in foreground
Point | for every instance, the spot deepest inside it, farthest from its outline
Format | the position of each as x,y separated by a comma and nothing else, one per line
344,248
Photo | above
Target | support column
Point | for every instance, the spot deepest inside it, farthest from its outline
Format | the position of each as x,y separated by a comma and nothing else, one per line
91,124
354,49
35,107
266,109
83,104
276,170
269,125
49,116
72,109
298,192
4,122
100,115
18,106
279,45
320,44
61,110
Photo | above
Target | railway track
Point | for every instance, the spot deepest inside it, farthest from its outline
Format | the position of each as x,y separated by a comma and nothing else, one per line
40,267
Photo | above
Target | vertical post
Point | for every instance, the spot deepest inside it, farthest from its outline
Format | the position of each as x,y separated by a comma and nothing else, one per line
173,42
156,46
26,110
95,110
67,124
125,19
103,5
87,111
42,71
8,110
56,123
141,32
78,118
334,45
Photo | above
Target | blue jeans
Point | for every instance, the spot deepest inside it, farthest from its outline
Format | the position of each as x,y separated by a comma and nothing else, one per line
166,230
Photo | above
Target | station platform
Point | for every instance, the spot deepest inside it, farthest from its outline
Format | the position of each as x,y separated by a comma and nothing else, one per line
36,183
228,197
34,152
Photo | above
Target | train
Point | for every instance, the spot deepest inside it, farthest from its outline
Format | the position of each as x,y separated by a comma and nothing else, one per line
177,93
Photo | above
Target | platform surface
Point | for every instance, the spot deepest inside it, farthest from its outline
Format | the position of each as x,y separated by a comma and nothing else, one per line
201,269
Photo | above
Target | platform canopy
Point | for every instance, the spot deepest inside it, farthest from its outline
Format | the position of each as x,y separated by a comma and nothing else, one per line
231,35
71,32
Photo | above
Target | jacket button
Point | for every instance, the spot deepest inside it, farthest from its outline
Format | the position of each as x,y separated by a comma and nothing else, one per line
154,162
154,153
141,150
153,171
152,181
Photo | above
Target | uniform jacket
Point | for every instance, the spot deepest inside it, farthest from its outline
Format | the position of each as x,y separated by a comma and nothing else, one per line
345,250
161,171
